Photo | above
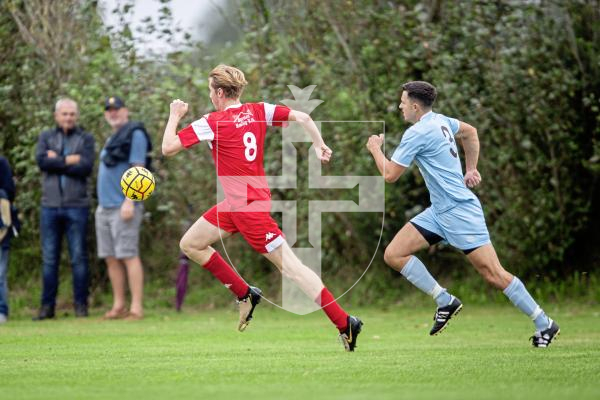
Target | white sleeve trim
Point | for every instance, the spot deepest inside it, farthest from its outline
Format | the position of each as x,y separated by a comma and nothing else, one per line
203,130
399,163
269,112
457,125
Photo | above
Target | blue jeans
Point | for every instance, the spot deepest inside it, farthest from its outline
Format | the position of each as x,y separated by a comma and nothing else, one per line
55,222
3,281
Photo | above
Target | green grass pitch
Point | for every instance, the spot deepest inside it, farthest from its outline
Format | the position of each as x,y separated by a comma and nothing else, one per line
483,354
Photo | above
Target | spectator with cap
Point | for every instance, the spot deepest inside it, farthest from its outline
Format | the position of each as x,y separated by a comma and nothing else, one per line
118,219
65,155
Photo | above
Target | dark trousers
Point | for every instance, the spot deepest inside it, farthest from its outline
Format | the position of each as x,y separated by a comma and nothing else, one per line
3,280
55,222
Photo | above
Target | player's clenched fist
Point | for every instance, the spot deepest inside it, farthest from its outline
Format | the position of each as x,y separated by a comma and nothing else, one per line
324,153
375,142
178,108
472,178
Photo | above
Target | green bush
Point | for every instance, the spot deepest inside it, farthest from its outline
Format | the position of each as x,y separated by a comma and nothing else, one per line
526,74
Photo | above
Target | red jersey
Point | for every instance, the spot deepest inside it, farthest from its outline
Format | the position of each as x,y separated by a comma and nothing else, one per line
236,137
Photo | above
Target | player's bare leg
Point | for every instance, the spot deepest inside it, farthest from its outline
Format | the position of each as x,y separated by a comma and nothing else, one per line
399,256
135,277
311,284
406,242
196,244
292,268
486,262
118,281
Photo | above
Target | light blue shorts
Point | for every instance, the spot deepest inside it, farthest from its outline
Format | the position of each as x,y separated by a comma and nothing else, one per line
463,226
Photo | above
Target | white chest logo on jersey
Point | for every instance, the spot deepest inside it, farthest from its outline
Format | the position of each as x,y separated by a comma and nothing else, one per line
244,118
269,236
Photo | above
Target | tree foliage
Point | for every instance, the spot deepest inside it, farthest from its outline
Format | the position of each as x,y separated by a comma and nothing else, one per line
526,74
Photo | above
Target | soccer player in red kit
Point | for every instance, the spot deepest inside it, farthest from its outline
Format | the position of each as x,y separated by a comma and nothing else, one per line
235,133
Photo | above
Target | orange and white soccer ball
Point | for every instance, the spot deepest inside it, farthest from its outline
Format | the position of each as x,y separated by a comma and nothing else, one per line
137,183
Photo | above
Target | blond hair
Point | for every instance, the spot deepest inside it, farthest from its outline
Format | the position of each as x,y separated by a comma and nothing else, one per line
228,78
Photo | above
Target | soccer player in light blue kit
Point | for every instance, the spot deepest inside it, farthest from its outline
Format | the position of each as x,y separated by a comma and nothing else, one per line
455,214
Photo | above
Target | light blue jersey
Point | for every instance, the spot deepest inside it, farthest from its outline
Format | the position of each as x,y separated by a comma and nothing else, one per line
109,178
431,144
455,214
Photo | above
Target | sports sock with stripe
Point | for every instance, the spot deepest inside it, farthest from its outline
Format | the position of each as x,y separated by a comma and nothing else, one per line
520,297
336,314
227,275
416,273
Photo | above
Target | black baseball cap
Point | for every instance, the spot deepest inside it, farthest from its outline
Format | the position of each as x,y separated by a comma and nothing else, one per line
113,102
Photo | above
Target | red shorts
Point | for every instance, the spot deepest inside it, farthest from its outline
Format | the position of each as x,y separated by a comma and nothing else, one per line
258,227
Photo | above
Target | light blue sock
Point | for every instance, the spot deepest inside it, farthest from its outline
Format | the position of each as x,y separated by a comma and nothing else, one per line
416,273
521,298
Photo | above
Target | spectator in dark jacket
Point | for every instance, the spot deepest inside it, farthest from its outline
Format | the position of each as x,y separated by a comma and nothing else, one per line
65,156
7,192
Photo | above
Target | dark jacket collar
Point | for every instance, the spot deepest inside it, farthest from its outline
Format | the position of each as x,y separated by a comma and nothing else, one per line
75,129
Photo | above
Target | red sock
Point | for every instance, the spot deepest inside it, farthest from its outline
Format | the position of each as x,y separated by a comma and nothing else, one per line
227,275
336,314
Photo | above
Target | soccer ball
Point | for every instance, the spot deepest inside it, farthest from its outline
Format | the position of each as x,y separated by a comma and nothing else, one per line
137,183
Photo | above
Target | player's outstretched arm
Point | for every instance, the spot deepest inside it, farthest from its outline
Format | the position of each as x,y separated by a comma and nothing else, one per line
323,152
388,169
171,144
470,143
